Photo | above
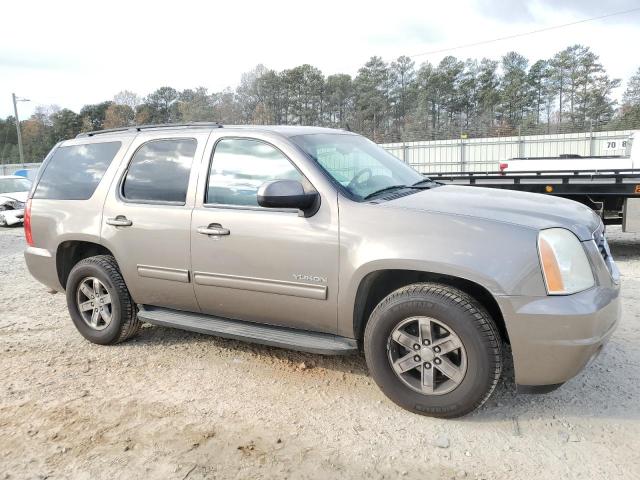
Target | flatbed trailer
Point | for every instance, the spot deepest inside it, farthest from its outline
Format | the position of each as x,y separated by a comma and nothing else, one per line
613,194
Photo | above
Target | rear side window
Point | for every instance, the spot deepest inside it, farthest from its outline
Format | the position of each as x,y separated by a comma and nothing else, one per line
159,171
74,172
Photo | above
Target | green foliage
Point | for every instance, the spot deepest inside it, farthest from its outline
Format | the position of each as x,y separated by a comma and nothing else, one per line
93,115
514,89
388,102
371,87
194,105
9,138
631,95
67,124
161,106
339,97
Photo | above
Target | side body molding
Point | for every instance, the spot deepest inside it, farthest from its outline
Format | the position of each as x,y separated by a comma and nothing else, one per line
280,287
163,273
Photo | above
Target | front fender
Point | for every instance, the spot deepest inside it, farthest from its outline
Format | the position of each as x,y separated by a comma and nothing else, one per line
501,257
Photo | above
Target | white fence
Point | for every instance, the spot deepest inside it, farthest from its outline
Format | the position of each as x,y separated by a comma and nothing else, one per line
11,168
485,154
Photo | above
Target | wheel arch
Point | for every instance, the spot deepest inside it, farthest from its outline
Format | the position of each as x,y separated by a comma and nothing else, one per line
378,284
70,252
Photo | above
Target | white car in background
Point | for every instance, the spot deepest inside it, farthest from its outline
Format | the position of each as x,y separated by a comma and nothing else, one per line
13,195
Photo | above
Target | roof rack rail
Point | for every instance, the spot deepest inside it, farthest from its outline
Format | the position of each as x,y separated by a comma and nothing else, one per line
139,128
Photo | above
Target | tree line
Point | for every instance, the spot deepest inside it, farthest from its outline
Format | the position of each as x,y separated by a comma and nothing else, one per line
387,102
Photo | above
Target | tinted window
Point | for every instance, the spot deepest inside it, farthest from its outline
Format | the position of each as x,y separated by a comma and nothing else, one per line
240,166
74,172
159,171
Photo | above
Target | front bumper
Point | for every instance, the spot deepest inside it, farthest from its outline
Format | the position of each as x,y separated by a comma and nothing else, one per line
553,338
13,217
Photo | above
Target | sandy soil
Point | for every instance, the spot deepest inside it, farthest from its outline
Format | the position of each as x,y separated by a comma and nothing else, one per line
176,405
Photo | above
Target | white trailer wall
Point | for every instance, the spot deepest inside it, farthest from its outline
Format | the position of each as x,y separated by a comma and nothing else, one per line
485,154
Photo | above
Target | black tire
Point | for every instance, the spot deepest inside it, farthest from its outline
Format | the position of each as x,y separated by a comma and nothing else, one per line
456,310
124,322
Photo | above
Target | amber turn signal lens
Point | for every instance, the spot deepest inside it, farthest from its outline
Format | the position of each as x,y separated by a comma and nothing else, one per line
551,268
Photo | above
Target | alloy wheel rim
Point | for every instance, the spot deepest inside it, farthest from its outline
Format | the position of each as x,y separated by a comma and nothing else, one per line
94,303
427,355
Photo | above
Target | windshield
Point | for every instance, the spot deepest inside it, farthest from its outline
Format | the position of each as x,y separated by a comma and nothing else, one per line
12,185
359,165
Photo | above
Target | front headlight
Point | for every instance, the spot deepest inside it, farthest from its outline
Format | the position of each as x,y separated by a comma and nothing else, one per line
565,265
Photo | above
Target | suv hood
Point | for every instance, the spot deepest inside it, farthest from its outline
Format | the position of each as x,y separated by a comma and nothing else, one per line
521,208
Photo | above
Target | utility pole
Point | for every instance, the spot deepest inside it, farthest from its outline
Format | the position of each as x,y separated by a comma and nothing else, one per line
15,111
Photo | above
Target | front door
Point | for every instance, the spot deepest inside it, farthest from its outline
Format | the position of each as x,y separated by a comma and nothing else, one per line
147,218
259,264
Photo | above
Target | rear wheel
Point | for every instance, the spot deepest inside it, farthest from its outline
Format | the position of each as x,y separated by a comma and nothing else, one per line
99,302
433,350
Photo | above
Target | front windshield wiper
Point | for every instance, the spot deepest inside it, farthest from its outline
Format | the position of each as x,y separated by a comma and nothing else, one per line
426,180
382,190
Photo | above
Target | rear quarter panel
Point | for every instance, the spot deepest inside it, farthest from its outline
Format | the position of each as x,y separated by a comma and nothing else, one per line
56,221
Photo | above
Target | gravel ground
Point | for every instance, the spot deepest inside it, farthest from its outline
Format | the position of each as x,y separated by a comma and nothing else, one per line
175,405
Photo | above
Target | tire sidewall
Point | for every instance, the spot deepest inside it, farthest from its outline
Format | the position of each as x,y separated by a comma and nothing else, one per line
479,375
80,272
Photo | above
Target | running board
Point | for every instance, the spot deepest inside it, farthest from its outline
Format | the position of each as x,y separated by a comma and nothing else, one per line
305,341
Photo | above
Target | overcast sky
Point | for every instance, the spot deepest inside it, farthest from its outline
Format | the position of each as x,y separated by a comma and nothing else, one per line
73,53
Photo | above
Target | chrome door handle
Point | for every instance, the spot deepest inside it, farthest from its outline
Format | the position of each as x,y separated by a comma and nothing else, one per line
214,229
119,221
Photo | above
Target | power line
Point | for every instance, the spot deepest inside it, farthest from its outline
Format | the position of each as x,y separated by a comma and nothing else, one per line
532,32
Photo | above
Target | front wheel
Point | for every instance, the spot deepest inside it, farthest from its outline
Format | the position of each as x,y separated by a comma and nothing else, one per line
433,350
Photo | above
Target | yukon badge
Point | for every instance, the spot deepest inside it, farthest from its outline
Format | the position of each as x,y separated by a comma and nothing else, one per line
309,278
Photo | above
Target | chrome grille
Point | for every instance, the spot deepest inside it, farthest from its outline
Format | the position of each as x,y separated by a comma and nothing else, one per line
601,242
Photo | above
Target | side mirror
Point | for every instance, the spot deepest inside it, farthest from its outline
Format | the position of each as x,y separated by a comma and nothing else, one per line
288,194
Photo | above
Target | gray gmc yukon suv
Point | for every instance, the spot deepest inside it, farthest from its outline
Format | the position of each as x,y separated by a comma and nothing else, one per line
318,240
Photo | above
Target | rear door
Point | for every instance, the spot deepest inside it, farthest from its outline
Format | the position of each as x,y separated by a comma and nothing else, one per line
267,265
147,217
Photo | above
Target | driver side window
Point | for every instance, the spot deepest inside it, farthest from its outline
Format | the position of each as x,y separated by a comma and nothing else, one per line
239,167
